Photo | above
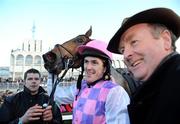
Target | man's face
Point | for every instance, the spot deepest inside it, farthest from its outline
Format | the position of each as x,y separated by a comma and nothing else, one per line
94,68
32,82
142,52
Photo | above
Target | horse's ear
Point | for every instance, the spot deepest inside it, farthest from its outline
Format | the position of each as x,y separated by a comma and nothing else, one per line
89,32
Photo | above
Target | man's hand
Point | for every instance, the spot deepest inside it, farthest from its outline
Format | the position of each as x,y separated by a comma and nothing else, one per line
32,114
47,114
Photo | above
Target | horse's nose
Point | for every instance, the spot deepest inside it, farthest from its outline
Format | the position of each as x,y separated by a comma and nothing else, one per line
49,57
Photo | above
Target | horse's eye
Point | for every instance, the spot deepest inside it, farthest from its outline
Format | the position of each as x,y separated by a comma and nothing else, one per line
79,40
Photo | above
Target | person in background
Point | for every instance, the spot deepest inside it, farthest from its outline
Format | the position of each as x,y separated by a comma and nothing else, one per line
96,99
26,107
147,42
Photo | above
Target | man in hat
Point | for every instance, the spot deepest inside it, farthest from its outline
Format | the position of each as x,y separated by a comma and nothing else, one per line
147,42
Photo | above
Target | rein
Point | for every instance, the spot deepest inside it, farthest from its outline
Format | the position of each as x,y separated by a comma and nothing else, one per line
68,64
58,80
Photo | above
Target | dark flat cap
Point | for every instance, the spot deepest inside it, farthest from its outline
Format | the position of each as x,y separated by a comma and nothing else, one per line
163,16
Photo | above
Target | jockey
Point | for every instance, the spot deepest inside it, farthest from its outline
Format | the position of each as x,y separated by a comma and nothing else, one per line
96,98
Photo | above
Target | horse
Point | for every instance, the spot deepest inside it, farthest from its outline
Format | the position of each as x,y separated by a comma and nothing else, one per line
66,56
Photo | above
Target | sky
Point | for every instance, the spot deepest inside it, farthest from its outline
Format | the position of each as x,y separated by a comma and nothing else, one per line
57,21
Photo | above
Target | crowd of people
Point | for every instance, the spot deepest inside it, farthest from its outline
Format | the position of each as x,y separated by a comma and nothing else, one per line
4,94
146,41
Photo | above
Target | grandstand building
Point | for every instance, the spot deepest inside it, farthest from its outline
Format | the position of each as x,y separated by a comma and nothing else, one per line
29,56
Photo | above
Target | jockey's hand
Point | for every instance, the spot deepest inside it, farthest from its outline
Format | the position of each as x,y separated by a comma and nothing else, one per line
32,114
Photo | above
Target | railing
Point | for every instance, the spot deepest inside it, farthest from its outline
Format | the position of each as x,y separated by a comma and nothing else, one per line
10,86
19,86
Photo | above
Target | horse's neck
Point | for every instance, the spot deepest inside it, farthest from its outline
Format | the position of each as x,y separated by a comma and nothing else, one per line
117,76
119,79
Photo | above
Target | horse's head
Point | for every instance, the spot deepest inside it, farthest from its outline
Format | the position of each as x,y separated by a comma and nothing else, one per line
66,54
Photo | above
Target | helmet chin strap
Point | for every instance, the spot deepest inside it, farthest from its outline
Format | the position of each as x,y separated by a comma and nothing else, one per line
93,83
78,86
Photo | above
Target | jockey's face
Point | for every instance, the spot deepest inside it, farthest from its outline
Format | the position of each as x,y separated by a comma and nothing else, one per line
32,82
94,68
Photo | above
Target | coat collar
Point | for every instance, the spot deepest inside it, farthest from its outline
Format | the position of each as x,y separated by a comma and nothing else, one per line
40,90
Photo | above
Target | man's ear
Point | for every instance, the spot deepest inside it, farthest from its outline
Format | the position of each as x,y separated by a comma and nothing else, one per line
166,35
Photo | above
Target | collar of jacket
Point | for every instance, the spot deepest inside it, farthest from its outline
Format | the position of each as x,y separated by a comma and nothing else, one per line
93,83
40,90
151,86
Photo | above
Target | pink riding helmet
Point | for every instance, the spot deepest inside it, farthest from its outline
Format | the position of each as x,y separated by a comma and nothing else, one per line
95,45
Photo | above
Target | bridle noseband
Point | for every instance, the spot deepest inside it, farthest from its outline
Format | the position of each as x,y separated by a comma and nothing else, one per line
68,61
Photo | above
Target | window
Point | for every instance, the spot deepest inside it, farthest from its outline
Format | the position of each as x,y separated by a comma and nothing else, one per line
19,60
37,60
29,60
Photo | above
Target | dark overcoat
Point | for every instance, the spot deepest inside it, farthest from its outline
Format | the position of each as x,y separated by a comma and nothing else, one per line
157,101
15,106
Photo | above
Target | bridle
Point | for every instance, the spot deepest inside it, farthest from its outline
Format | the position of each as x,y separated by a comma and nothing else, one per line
68,61
59,45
